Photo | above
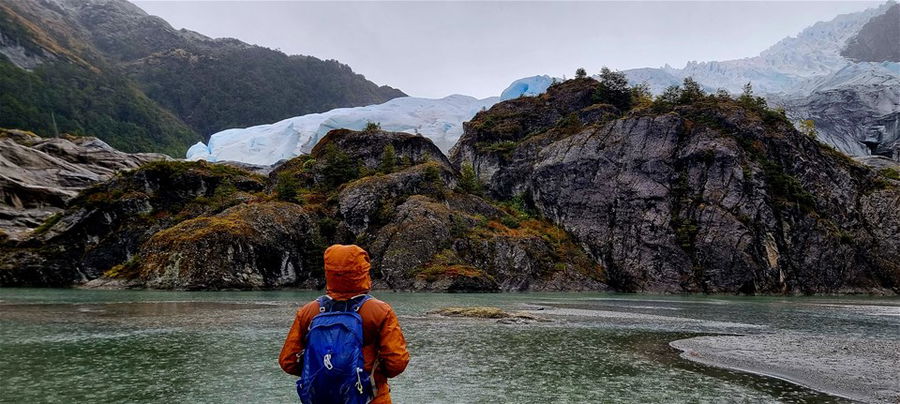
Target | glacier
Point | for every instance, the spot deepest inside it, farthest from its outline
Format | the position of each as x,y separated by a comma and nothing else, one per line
438,119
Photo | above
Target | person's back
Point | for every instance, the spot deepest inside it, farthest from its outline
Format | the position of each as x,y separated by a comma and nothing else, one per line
384,348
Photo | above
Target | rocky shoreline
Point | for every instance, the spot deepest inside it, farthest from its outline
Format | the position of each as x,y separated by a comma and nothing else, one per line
855,368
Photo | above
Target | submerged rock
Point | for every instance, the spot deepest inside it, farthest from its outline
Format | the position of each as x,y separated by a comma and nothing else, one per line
502,316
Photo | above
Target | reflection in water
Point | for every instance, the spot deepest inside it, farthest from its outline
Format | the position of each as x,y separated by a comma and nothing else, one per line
129,346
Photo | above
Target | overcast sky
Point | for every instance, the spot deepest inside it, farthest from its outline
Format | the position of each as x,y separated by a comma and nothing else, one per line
433,49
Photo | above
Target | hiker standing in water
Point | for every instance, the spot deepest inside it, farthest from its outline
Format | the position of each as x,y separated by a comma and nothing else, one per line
346,344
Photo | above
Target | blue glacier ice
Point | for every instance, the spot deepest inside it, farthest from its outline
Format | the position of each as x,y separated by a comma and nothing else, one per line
529,86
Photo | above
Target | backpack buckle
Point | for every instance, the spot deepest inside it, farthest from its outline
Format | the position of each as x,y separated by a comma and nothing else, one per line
326,360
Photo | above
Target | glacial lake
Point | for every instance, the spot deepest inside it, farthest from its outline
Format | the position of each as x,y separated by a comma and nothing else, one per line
93,346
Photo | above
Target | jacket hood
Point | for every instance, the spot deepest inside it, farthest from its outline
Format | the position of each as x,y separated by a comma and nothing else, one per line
346,271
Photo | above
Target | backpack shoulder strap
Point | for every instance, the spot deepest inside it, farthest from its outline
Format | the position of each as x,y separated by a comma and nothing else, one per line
359,300
325,303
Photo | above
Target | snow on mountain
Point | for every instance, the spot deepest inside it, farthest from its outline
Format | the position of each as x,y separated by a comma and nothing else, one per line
855,105
438,119
813,52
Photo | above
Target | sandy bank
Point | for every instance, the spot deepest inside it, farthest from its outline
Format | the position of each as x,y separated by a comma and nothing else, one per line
855,368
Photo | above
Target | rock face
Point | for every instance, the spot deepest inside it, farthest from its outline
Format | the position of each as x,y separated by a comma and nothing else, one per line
368,147
710,195
106,225
197,225
247,246
38,176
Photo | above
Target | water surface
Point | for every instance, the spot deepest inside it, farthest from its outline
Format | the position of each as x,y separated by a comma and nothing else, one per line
69,345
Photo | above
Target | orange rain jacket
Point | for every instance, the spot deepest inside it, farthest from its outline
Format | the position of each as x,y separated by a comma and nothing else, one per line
384,348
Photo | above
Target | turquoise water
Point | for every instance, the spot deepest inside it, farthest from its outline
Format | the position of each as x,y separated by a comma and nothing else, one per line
222,347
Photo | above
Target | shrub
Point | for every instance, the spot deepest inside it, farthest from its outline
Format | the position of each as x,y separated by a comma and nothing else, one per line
808,128
286,188
338,168
890,173
641,97
613,89
388,159
468,180
372,126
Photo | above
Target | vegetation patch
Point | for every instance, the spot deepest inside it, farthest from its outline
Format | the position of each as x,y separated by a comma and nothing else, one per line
488,312
890,173
503,148
130,269
48,224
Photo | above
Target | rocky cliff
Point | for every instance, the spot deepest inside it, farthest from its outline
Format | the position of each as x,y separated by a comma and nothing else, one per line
704,193
39,176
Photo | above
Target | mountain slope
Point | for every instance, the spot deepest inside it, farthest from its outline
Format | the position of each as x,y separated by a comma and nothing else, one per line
136,82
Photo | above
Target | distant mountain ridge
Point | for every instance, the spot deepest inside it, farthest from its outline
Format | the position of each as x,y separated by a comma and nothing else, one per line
842,74
815,51
107,68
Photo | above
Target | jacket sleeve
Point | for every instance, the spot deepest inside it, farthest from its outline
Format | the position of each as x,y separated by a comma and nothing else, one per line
291,359
392,352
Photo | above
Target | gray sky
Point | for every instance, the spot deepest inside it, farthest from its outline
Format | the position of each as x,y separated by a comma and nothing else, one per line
433,49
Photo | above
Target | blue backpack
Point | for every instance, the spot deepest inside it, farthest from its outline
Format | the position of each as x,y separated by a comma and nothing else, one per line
333,360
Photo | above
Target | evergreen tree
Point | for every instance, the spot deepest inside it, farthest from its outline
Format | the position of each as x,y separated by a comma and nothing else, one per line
613,89
468,180
580,73
286,187
388,159
338,167
691,91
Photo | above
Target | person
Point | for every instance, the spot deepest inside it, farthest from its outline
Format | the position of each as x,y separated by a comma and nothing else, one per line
383,346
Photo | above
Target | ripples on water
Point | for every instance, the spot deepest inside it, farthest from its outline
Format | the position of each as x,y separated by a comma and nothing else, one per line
202,347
